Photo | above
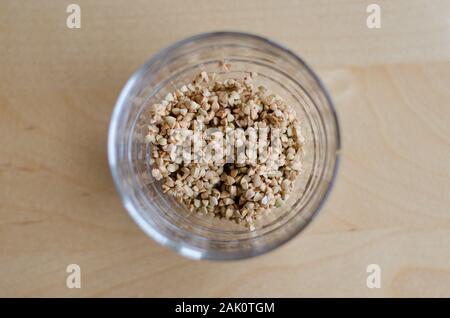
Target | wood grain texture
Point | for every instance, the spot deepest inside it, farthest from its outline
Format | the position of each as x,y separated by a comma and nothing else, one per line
390,204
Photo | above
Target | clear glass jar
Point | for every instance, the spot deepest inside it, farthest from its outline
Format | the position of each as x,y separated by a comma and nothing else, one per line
165,220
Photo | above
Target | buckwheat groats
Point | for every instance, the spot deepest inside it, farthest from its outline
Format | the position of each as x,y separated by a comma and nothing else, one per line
225,148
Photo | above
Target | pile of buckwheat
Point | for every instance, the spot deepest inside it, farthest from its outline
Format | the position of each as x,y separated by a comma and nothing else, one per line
241,189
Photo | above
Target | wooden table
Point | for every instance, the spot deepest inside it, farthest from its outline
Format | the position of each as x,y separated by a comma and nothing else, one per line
390,205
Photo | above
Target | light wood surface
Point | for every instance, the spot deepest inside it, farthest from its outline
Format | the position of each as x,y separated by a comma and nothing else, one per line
390,204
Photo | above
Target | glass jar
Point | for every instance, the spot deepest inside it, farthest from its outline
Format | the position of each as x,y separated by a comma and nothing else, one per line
164,219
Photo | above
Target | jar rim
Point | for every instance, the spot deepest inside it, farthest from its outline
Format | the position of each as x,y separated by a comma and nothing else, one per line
186,250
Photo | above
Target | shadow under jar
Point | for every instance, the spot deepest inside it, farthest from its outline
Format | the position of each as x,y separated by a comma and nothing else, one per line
161,216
